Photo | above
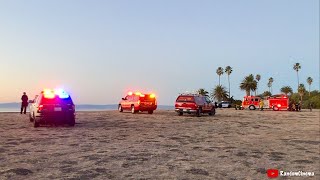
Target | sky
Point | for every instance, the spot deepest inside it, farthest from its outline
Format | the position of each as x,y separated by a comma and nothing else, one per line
99,50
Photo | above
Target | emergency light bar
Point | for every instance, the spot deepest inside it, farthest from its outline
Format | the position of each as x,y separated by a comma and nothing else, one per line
61,93
141,94
50,94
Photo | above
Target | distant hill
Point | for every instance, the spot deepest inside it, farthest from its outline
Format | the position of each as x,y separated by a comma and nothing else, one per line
10,105
4,107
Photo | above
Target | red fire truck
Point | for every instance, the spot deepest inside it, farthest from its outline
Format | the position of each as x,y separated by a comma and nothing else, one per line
275,102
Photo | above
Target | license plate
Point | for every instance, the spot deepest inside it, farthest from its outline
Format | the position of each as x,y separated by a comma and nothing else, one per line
57,109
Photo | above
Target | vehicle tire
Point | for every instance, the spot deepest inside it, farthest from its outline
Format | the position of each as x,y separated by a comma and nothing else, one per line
133,110
198,113
30,117
212,113
35,123
275,108
120,108
72,121
252,107
180,113
150,112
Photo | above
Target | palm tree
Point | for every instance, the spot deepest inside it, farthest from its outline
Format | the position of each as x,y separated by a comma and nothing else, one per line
228,70
219,72
297,67
258,78
286,90
219,93
248,84
301,90
202,92
270,84
309,81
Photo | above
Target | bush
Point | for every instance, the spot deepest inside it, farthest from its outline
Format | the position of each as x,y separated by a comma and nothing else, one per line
314,99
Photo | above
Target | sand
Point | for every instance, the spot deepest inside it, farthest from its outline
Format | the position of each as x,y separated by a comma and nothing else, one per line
112,145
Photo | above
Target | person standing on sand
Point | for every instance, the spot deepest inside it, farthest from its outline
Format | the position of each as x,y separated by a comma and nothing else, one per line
261,104
24,103
300,105
293,107
310,106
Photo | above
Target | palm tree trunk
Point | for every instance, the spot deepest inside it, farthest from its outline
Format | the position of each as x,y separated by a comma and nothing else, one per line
229,85
309,89
219,80
298,81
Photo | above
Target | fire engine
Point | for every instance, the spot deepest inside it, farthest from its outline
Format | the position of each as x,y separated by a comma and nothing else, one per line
275,102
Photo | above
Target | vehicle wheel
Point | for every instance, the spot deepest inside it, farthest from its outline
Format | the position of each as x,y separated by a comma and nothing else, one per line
133,110
198,113
212,113
275,108
120,108
30,117
150,112
35,123
252,107
180,113
72,121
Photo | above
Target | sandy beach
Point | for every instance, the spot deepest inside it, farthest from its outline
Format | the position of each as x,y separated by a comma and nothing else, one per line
112,145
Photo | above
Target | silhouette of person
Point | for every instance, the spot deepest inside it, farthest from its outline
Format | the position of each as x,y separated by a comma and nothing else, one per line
24,103
310,106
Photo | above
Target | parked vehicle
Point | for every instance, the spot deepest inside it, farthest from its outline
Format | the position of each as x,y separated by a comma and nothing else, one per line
137,101
224,104
194,104
275,102
52,106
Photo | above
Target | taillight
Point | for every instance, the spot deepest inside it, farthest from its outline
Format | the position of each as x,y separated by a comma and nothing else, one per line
40,108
